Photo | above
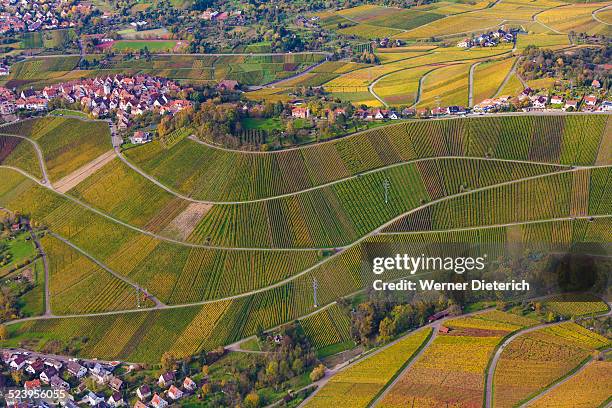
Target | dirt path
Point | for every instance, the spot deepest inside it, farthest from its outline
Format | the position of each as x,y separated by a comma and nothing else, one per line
77,176
594,14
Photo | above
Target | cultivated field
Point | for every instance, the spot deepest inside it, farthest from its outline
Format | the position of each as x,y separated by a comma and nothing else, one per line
358,385
537,359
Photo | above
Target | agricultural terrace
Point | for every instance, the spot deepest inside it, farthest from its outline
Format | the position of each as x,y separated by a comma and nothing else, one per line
66,143
451,371
576,305
372,22
173,272
411,64
78,285
575,17
556,196
205,172
537,359
360,383
339,276
220,295
328,330
589,388
488,78
20,153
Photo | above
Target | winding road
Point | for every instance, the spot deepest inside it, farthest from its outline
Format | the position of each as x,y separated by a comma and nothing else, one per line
39,153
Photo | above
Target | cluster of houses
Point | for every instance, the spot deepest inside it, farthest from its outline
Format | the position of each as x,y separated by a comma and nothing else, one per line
215,15
35,15
490,39
40,371
530,101
127,96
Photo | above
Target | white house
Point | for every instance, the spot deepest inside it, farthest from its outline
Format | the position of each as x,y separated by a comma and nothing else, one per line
75,369
92,399
175,393
606,106
590,100
143,392
158,402
166,379
116,400
18,363
556,99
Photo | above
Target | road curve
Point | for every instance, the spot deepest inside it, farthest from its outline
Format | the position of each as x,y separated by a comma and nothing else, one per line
39,153
498,353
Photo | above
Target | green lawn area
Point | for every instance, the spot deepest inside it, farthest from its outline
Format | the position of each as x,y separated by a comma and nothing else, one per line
137,45
262,124
68,112
19,249
32,303
335,348
250,345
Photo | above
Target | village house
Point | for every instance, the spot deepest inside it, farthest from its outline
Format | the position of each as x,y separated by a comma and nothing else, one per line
57,382
32,385
115,384
143,392
538,101
99,374
54,363
571,103
93,399
166,379
75,369
175,393
139,404
116,400
189,384
556,100
158,402
17,363
47,374
300,112
590,100
227,85
606,106
35,367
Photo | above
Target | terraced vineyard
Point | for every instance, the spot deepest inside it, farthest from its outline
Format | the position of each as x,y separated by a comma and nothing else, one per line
451,370
230,268
537,359
19,153
359,384
203,172
67,143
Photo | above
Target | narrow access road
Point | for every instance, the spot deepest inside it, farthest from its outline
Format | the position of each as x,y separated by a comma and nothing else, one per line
471,83
374,94
41,250
41,159
158,303
594,14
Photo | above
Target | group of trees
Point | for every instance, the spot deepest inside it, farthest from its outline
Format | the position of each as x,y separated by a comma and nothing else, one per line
381,317
581,66
288,355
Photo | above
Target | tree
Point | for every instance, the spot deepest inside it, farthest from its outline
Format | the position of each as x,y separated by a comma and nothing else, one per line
205,369
4,335
206,389
297,366
251,400
167,361
386,330
317,373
